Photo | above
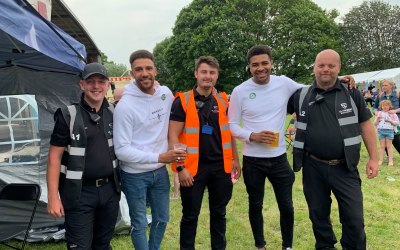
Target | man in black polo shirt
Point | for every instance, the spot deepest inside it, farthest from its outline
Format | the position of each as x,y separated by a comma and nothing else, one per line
198,119
331,122
82,180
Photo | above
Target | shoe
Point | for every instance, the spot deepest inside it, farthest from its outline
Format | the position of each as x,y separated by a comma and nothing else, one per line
286,248
390,163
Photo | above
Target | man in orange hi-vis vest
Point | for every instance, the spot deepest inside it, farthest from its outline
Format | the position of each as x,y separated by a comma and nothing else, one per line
199,120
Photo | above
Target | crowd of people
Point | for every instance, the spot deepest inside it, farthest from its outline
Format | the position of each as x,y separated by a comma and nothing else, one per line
96,151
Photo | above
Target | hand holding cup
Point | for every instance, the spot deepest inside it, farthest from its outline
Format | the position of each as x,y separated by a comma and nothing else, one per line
180,150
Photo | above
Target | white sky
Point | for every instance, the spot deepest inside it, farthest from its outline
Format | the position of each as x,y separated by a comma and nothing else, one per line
119,27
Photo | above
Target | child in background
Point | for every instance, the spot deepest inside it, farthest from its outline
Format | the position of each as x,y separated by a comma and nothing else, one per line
387,125
175,194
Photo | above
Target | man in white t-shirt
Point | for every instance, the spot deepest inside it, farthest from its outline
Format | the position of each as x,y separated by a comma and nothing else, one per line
260,103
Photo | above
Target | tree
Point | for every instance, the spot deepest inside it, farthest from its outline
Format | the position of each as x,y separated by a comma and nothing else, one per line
113,68
163,72
371,34
295,29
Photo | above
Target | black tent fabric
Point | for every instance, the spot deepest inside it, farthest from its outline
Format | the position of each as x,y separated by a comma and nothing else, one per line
40,68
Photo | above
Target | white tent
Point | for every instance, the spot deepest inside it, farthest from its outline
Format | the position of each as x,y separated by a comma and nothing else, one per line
376,77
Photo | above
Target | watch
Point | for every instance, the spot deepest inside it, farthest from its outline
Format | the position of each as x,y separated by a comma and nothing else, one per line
180,168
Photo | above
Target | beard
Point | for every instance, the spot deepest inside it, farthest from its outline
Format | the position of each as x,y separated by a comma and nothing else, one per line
145,84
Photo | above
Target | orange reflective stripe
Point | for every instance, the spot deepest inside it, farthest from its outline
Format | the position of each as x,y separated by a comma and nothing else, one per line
222,100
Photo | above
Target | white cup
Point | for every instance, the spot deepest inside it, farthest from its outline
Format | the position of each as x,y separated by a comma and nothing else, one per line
180,147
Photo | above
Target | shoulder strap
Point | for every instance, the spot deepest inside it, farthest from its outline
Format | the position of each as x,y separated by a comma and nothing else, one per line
69,115
111,108
223,98
304,91
72,115
185,97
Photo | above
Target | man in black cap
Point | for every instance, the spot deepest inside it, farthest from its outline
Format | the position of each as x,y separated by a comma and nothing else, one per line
82,180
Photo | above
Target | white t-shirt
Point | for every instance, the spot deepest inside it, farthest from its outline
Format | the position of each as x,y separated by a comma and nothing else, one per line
261,107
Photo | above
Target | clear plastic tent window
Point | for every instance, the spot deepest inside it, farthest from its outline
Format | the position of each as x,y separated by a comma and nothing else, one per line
19,130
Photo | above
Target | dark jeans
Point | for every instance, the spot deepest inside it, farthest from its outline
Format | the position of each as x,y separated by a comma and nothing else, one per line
281,176
319,180
219,187
91,225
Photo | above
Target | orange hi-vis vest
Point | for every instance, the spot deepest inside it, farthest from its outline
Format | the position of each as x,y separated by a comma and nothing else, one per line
190,133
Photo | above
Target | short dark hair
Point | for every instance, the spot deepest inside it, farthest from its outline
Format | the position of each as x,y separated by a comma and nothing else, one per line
140,54
210,60
258,50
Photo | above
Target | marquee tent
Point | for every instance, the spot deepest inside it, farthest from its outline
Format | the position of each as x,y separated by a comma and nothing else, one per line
363,79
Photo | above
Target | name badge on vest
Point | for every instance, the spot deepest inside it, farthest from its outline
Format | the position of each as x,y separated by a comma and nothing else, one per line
207,129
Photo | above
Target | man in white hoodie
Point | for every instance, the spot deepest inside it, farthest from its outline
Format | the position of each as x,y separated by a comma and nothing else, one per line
140,137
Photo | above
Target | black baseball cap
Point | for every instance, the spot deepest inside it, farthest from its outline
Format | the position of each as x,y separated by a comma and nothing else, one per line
94,68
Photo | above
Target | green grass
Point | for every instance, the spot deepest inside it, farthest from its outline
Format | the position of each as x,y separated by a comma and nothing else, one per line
381,210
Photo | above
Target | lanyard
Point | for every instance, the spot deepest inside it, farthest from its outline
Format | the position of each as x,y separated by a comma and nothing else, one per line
209,109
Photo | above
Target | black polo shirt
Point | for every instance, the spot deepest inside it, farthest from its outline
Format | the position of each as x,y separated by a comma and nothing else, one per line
98,162
210,146
323,137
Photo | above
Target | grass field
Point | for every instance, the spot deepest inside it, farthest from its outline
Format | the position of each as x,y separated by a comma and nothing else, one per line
381,208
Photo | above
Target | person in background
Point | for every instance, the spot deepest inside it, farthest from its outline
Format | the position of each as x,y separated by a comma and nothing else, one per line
331,120
118,92
386,124
388,93
82,167
368,97
198,119
176,187
141,144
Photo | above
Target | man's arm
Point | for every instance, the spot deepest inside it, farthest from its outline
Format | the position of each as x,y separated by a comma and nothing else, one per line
236,163
125,151
369,137
235,117
54,205
122,136
174,130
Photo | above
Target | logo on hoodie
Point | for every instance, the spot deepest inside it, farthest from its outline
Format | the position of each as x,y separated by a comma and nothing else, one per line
163,97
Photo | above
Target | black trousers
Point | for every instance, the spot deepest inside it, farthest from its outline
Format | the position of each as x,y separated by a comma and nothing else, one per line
281,176
396,142
319,181
91,225
219,187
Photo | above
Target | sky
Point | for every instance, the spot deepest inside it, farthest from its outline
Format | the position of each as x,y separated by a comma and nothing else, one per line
119,27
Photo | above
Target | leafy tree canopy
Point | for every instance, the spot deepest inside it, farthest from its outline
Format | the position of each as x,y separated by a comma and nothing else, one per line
295,29
113,68
371,35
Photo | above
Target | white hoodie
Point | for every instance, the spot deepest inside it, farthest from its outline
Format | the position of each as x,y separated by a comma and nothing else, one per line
141,128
